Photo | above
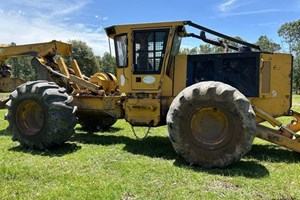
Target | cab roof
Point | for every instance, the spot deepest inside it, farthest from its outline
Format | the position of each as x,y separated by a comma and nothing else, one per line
123,29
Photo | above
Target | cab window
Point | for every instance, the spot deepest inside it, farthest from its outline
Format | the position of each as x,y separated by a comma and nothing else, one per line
149,50
121,50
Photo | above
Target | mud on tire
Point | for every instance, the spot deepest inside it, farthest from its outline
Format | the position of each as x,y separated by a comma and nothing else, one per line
211,124
40,115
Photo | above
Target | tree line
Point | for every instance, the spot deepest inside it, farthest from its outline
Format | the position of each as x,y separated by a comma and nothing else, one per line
289,33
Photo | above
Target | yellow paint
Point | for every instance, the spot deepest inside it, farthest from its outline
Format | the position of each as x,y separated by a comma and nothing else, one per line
133,83
142,112
107,81
180,74
62,66
36,50
275,137
277,101
76,68
106,105
138,83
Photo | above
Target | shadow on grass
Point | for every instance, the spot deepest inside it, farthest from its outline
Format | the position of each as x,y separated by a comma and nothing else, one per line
56,151
110,130
248,169
4,132
273,153
161,147
154,146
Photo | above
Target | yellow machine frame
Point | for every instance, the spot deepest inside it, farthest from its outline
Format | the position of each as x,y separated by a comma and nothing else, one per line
147,104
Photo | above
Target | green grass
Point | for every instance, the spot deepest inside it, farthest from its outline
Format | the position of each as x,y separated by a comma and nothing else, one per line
296,99
114,165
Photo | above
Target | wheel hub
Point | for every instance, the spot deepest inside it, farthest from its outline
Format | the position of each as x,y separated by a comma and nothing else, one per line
30,117
210,127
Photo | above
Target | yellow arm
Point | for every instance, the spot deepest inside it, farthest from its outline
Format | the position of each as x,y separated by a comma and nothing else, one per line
36,50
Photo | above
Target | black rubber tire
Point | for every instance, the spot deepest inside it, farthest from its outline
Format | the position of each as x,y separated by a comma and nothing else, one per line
6,73
40,115
211,124
94,125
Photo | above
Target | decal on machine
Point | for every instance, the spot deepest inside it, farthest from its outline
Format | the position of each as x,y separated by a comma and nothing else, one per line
122,77
149,79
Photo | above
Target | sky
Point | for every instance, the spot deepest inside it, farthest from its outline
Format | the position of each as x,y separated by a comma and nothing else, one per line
32,21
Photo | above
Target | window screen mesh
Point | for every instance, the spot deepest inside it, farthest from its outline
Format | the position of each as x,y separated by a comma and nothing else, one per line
149,50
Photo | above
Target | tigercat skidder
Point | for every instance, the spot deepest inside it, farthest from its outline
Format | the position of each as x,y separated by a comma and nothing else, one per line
212,104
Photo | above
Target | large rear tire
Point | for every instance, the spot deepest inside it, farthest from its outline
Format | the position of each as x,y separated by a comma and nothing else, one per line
211,124
40,115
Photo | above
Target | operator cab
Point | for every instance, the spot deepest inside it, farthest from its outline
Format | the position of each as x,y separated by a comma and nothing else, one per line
143,54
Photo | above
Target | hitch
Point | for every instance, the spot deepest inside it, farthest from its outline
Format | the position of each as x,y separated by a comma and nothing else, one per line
286,136
294,125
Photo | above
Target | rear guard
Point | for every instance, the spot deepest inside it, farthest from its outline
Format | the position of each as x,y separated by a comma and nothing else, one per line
286,136
276,137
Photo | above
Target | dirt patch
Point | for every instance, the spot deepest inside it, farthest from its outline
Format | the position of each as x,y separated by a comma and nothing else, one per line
217,184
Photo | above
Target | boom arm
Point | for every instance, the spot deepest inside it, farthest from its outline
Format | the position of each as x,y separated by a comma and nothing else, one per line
221,35
35,50
56,70
44,51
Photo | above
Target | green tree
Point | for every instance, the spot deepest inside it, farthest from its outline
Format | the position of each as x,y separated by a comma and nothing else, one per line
209,48
205,48
188,51
22,68
267,44
296,74
85,57
290,32
231,43
108,63
99,61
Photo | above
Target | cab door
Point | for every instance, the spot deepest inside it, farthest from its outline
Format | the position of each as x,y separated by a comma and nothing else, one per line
148,57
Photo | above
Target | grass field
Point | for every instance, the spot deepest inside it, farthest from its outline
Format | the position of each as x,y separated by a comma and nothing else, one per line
115,165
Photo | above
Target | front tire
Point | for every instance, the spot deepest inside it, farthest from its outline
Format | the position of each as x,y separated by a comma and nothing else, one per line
40,115
211,124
